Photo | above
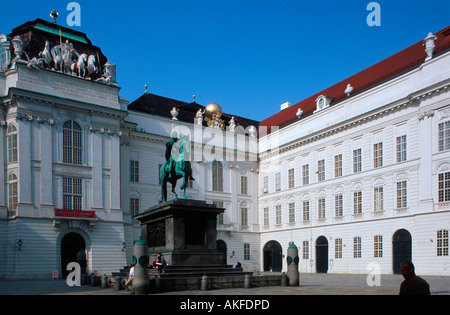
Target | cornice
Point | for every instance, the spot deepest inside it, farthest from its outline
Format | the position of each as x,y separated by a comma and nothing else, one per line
18,94
413,99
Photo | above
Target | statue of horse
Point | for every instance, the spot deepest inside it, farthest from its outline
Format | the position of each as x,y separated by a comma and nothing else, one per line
91,68
178,166
79,67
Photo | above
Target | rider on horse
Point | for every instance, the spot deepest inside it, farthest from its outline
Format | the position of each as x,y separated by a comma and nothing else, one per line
178,165
173,154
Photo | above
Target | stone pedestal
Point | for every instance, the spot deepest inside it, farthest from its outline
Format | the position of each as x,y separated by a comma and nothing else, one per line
183,230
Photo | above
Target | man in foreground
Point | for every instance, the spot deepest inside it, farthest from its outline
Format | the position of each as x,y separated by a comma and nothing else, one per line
412,285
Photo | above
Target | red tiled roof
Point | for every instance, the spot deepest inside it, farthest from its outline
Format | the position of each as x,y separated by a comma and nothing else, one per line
390,67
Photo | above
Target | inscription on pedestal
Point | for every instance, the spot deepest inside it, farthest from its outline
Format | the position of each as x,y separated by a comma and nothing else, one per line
156,234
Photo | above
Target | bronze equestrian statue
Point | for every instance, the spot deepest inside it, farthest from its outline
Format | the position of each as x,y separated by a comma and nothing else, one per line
178,165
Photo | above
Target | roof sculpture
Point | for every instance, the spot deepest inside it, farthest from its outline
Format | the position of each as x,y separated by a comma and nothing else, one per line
44,45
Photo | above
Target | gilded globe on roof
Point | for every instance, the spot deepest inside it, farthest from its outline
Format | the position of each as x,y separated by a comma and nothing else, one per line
213,109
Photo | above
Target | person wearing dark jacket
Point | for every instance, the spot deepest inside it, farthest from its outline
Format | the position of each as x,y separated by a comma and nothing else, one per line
413,284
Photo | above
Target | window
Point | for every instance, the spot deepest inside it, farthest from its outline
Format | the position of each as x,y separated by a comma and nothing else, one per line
4,58
219,204
12,143
401,194
444,136
277,181
13,195
244,216
338,248
378,246
378,155
338,165
291,212
357,247
357,161
305,250
378,198
266,185
338,205
72,193
321,170
305,210
72,143
401,148
134,171
291,180
305,174
442,243
321,208
357,202
278,214
244,185
266,216
444,187
246,251
134,206
217,176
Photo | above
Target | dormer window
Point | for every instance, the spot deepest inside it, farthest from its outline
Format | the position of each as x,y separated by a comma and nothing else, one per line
322,102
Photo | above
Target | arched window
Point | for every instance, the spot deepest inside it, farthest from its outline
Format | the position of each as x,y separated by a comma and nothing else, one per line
72,143
12,192
217,176
12,143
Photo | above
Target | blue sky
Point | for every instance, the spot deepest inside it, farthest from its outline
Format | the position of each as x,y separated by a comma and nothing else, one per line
250,56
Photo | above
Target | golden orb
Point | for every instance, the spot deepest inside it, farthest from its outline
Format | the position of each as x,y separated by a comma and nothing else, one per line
213,109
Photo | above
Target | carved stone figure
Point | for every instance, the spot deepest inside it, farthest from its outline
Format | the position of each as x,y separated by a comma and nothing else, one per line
18,50
80,67
43,60
69,56
63,58
46,56
199,116
174,113
57,58
428,42
232,125
109,74
91,67
348,90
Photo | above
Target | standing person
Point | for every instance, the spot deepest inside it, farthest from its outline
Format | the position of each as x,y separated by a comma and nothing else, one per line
412,285
130,277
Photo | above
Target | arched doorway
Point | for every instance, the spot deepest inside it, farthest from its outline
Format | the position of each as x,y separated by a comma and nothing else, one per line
222,248
273,256
321,254
71,244
401,248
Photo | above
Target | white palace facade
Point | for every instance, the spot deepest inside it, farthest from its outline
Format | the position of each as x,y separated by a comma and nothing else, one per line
357,176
